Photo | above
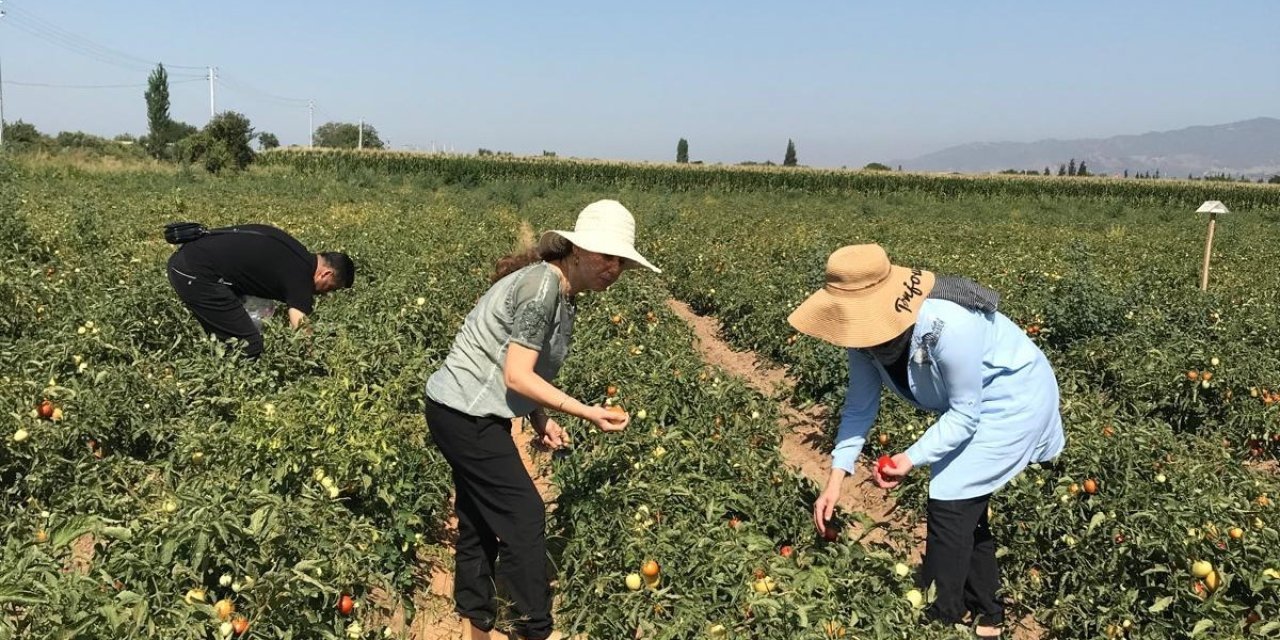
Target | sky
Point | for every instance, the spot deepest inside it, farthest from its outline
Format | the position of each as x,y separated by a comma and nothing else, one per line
850,82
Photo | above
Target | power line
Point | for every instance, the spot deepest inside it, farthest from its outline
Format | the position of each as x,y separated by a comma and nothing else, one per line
326,114
32,24
86,42
74,48
241,86
47,85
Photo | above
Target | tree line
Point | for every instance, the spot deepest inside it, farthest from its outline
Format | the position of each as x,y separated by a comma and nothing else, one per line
1072,169
225,142
788,157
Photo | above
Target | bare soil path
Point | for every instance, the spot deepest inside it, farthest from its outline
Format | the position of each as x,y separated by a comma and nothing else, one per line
433,617
802,438
802,431
802,435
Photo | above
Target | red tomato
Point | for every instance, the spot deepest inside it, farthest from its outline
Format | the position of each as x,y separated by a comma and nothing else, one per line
345,605
45,409
882,462
831,533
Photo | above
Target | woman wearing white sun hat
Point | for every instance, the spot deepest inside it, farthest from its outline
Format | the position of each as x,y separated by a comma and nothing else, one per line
510,347
939,344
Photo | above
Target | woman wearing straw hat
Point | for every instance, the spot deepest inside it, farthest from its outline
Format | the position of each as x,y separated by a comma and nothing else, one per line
940,344
509,348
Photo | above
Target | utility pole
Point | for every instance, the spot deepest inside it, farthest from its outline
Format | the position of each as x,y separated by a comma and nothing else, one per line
213,71
1,95
360,135
311,125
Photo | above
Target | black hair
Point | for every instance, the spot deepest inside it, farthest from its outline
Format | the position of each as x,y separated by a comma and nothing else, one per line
344,270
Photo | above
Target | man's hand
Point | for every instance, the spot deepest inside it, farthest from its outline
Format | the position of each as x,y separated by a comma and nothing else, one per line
296,318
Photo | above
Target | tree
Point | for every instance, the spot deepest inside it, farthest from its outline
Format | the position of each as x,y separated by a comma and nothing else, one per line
1274,179
1126,173
1071,167
1046,171
789,160
268,141
682,151
222,144
1062,169
19,133
159,126
179,130
876,166
1081,170
346,135
78,140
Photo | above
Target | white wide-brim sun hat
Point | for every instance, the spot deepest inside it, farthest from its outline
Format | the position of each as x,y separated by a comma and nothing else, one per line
605,226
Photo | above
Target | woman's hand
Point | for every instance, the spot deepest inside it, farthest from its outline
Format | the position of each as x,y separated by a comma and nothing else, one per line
891,475
551,435
605,419
824,507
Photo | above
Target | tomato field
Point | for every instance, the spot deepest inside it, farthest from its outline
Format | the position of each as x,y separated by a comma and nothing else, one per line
156,485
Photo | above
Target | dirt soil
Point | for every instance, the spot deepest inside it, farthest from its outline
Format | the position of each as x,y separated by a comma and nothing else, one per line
434,618
802,434
802,431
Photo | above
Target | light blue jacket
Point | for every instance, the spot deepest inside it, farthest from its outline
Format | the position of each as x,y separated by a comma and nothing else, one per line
994,388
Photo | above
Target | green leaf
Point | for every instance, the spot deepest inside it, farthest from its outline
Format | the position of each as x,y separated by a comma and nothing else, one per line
1201,627
1097,519
73,529
11,595
258,520
1161,604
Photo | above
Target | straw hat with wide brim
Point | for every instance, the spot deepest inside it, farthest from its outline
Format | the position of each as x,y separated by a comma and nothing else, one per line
605,226
867,300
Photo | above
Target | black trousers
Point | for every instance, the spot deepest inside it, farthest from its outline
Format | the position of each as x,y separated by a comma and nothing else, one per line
218,310
960,561
501,521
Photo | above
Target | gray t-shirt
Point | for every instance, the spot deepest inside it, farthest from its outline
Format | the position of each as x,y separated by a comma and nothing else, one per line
526,307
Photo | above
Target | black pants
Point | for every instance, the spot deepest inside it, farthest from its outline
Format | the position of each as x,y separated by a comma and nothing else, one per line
218,310
501,520
960,560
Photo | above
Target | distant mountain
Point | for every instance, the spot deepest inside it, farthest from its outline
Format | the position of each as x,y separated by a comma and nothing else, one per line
1251,148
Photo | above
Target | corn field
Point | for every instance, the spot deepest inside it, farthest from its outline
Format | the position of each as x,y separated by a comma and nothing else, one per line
473,170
